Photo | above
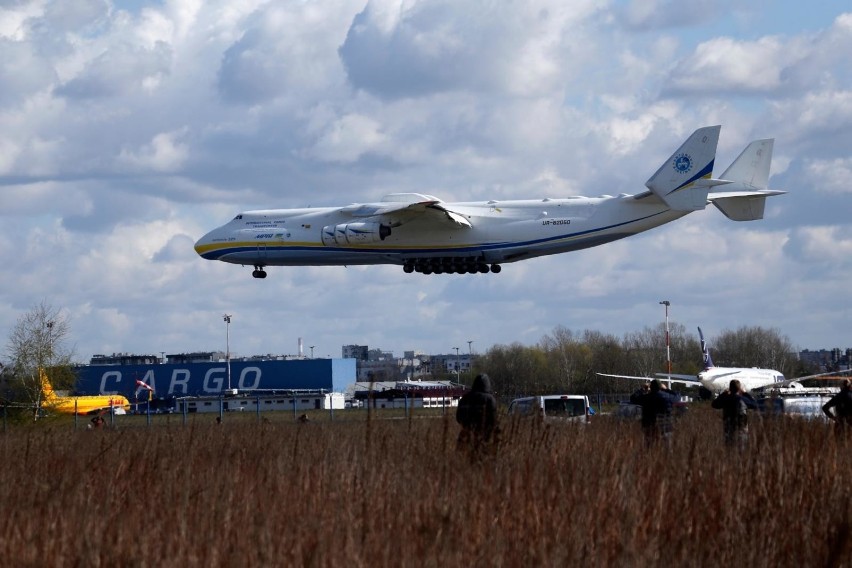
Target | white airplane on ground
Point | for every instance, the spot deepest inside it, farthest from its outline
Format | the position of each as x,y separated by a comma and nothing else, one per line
427,235
714,380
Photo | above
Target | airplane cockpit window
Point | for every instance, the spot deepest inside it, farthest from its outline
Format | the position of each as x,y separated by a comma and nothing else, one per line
238,217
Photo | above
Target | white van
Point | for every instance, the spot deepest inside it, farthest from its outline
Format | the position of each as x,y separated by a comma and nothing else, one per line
567,407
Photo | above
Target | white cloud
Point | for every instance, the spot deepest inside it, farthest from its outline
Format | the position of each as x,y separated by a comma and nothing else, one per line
727,64
830,245
349,138
125,134
833,176
419,49
657,14
164,153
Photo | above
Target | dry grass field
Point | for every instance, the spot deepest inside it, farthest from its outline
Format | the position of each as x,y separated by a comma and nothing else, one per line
397,492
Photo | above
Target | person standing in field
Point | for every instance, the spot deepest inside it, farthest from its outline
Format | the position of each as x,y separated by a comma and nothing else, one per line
656,405
477,415
734,404
839,407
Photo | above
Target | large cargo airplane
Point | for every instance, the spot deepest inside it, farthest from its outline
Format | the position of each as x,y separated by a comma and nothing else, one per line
427,235
713,380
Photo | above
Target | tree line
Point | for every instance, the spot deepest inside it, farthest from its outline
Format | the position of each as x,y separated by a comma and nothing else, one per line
568,361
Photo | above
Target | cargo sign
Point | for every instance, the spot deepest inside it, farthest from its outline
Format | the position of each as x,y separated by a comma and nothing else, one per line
193,379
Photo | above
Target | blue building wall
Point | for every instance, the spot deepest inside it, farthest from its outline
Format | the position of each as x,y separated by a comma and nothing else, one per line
194,379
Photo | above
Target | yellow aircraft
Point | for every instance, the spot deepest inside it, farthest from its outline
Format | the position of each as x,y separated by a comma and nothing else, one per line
81,404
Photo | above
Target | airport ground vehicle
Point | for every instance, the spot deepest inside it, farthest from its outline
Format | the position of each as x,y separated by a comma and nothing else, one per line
560,407
800,402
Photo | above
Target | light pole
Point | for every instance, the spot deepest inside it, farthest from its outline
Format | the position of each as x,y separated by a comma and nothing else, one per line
312,351
458,369
666,303
470,354
227,318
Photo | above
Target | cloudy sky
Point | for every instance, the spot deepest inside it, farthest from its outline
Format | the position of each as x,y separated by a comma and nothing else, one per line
128,129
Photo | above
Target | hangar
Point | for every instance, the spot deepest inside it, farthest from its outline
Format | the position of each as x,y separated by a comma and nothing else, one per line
213,378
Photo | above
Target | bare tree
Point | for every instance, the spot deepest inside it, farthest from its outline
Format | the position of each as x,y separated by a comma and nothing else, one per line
566,357
642,350
516,370
37,344
755,347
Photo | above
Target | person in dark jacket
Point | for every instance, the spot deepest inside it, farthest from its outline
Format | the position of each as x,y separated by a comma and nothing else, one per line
839,407
477,414
656,405
734,404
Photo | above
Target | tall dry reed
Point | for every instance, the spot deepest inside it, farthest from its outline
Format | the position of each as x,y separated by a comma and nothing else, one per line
399,493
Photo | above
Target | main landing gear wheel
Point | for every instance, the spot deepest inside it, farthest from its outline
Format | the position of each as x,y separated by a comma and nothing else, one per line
259,272
449,265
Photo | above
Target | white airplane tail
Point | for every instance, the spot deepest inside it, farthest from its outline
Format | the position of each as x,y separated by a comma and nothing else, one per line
684,180
745,192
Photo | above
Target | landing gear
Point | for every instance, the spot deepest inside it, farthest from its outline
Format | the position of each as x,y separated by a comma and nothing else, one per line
258,271
450,265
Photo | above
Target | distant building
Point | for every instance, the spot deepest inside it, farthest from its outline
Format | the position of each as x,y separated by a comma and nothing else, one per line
199,357
382,366
415,365
408,394
295,401
124,359
357,352
372,364
827,359
454,363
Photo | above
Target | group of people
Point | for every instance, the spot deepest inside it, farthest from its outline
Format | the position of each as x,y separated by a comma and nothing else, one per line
477,412
657,402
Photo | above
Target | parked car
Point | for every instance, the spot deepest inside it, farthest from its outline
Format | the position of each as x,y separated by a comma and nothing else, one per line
559,407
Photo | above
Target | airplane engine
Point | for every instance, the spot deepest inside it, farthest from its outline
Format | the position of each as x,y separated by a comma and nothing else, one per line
354,234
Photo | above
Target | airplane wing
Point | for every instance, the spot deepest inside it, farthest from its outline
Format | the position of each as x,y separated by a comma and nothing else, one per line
413,204
829,376
688,380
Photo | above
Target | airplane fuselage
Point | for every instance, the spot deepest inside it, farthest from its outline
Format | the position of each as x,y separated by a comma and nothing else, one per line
718,379
498,232
87,404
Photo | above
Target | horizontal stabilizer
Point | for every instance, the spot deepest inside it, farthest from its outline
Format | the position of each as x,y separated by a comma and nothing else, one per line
744,196
675,182
742,206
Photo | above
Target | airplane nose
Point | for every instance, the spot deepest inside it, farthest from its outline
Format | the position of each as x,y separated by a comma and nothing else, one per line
202,245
